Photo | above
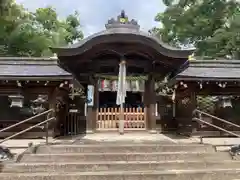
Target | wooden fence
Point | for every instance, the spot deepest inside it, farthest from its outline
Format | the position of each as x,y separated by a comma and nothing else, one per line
108,118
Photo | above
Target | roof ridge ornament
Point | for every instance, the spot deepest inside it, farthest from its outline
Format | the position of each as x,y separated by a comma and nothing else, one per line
122,21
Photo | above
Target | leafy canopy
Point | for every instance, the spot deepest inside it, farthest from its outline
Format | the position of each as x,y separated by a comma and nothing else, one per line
24,33
212,26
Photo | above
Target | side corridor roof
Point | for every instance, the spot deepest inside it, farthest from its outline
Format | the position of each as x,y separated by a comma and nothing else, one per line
31,68
211,70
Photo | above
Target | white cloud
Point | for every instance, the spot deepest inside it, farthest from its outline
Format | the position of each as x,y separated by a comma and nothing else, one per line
95,13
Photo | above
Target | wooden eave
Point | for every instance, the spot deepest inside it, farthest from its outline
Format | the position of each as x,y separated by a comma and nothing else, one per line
211,70
123,35
31,68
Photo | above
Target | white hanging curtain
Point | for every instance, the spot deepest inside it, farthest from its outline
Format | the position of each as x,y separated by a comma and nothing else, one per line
122,85
141,86
137,85
128,85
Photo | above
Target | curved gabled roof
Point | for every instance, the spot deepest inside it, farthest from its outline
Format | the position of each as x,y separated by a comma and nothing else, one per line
118,31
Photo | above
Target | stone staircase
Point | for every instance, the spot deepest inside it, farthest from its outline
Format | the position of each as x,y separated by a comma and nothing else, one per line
126,160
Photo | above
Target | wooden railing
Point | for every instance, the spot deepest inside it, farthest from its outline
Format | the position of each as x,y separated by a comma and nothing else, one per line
108,118
49,117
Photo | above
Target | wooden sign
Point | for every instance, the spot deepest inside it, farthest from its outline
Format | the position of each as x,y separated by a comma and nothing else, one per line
90,95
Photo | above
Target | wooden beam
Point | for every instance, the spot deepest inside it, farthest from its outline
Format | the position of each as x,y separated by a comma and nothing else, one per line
38,90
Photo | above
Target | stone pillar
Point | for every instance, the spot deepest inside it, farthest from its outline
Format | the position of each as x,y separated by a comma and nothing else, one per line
150,103
92,109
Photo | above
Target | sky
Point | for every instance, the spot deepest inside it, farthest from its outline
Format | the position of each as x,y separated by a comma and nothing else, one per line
94,14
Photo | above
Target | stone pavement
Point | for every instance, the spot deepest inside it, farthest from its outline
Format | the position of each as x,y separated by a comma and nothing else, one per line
221,143
133,136
212,140
20,145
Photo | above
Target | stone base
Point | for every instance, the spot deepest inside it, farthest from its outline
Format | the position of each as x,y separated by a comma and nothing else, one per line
89,132
153,131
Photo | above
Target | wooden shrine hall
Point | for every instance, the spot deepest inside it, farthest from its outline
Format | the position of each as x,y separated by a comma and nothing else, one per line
98,56
80,83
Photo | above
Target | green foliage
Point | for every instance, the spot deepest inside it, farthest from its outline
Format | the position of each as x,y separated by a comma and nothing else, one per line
11,15
206,103
212,26
24,33
72,24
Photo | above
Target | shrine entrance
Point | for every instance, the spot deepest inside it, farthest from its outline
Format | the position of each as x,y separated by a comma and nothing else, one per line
108,114
98,57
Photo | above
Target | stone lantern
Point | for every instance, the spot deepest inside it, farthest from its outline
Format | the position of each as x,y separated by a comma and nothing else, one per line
16,100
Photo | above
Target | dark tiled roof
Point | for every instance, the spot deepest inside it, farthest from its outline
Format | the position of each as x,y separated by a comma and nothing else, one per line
31,68
211,70
125,35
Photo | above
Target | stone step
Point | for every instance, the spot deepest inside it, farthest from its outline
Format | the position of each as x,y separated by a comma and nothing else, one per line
202,174
132,140
117,166
124,148
159,156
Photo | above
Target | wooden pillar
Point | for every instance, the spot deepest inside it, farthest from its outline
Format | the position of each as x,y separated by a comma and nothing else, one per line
92,107
96,103
146,102
185,105
150,103
54,127
59,101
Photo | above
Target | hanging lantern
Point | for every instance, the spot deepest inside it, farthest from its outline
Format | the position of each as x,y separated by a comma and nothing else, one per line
128,86
106,85
133,86
16,100
226,102
114,85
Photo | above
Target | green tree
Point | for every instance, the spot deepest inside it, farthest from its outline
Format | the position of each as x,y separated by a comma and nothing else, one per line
11,15
72,25
31,34
212,26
